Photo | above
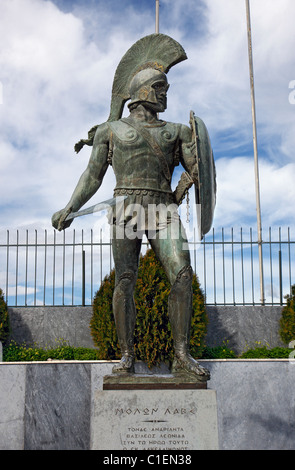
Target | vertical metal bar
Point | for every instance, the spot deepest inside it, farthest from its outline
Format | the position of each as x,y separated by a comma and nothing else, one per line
83,278
26,274
258,209
204,262
270,264
73,266
35,281
53,270
110,245
242,267
16,266
100,256
214,272
280,267
233,265
289,256
63,267
83,275
280,277
252,269
91,267
7,265
195,252
45,267
223,265
157,15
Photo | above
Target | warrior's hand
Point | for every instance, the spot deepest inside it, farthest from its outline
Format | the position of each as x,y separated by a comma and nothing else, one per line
194,173
58,219
193,147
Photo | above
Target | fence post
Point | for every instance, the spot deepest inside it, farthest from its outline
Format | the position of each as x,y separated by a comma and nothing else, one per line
280,277
83,278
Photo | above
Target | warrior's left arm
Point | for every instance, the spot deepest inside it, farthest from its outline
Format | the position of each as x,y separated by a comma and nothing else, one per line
188,152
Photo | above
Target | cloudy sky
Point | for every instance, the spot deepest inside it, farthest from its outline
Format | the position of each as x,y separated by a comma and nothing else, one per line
57,62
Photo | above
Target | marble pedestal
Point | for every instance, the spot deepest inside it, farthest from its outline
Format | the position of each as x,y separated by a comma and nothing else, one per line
154,417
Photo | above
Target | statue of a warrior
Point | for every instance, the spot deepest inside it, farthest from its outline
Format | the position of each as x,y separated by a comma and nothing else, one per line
143,152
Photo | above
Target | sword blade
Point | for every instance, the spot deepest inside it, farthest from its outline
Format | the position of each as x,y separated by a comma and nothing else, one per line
97,207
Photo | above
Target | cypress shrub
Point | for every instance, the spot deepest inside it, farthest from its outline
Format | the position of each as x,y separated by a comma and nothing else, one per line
287,321
4,320
153,341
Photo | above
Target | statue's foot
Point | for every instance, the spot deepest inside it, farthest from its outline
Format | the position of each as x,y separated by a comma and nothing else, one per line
187,365
125,366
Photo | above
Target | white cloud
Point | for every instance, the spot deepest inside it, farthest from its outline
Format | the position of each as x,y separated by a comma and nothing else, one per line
236,199
51,78
57,70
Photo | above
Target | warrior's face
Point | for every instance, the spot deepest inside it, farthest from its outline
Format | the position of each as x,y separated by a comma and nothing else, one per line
149,87
161,87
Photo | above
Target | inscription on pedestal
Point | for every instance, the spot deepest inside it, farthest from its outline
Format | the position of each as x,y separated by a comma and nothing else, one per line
155,420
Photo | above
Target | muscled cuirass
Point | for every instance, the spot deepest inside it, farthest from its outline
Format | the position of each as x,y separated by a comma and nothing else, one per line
136,164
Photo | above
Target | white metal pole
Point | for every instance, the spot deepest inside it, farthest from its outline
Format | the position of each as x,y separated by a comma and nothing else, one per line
258,208
157,15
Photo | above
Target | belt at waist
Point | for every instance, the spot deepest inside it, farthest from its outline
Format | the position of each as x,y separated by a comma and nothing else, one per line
147,204
140,191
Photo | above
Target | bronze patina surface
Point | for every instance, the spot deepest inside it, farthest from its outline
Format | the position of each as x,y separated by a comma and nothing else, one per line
151,382
143,152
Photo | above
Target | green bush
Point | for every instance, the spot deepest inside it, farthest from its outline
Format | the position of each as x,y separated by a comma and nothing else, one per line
102,323
23,353
265,353
85,354
153,337
218,352
287,321
4,320
260,352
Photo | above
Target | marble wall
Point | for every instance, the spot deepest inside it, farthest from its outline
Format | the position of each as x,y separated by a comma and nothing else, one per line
48,325
239,326
49,406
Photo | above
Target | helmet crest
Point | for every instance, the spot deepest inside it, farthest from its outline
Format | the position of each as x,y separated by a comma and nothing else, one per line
156,52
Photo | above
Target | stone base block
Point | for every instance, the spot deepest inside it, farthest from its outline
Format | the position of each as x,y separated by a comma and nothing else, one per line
154,420
151,382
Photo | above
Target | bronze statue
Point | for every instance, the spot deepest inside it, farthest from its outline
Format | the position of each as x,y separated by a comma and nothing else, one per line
143,152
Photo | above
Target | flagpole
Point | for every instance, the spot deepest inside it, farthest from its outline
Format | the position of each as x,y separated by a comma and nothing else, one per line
157,15
258,208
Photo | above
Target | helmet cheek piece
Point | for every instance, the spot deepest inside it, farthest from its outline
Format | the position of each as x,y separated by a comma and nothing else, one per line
142,86
147,93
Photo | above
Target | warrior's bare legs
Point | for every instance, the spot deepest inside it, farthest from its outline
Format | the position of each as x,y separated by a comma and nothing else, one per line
175,258
126,256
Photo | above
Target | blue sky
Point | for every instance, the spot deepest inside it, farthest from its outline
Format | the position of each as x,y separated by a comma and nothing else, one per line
57,63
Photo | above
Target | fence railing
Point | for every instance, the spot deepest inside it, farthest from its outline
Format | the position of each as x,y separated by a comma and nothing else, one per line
42,268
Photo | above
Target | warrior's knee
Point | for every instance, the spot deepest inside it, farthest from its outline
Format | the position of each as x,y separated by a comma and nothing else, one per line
185,275
125,282
183,279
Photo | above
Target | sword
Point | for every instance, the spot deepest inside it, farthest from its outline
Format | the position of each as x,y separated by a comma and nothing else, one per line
97,207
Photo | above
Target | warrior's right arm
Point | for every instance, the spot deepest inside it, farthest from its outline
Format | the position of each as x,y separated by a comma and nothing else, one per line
90,180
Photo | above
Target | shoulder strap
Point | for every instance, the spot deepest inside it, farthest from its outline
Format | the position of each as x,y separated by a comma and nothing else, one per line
153,144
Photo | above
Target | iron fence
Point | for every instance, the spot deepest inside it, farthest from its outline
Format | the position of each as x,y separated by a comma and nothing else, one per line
53,268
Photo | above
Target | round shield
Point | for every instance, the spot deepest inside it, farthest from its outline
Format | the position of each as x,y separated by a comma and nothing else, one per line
205,190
